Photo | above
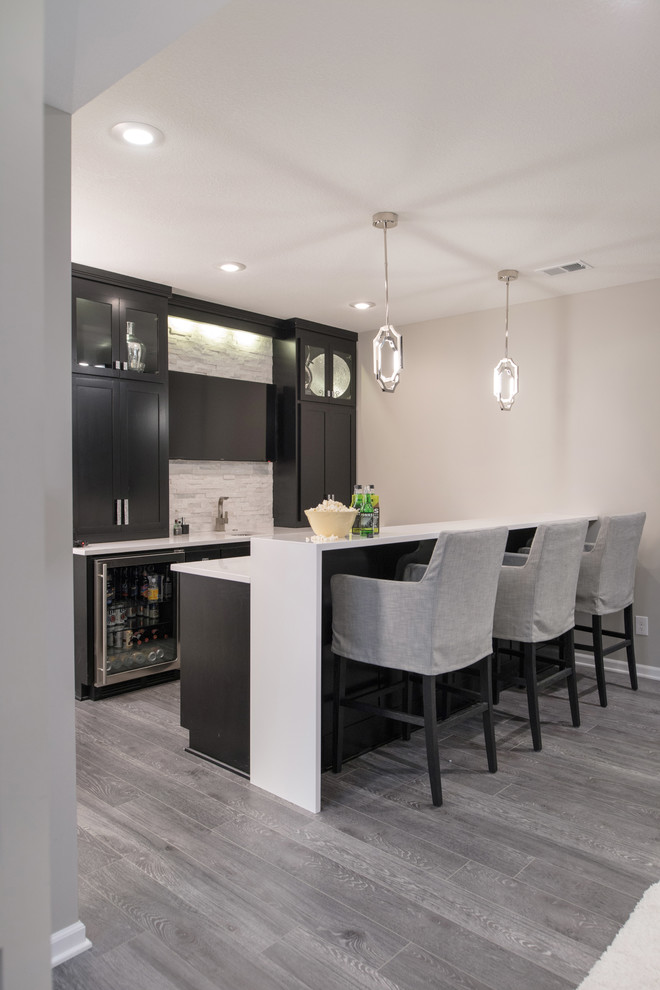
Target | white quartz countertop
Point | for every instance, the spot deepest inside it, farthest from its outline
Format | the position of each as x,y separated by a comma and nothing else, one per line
227,569
420,531
303,536
175,542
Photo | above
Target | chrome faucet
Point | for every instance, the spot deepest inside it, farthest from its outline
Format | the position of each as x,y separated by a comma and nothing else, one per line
222,518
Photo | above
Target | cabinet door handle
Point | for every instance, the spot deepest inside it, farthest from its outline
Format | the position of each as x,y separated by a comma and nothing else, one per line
118,511
125,512
118,365
125,365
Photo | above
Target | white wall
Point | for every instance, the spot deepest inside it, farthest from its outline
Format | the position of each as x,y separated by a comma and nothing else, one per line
581,437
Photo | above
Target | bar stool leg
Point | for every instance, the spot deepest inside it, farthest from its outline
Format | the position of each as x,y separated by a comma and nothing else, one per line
406,728
339,690
599,660
485,672
630,647
431,733
569,657
496,673
529,663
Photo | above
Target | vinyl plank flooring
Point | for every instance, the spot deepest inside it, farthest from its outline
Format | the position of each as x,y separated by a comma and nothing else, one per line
191,878
316,963
106,925
416,969
433,917
426,824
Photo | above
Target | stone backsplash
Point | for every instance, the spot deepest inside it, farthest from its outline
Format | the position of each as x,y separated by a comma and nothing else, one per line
247,486
195,486
206,349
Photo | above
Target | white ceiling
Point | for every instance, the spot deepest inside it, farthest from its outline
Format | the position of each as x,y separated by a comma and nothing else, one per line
505,134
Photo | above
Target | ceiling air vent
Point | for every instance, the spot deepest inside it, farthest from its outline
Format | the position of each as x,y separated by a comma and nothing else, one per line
570,266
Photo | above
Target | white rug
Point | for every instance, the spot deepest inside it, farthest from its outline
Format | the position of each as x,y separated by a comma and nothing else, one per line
632,961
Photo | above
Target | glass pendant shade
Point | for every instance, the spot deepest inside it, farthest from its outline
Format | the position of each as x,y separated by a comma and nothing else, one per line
505,383
505,376
388,344
388,357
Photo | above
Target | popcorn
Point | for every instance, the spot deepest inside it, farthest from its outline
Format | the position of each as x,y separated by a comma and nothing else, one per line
330,505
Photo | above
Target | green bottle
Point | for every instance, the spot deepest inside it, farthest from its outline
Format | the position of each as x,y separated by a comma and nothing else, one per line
367,515
375,501
356,503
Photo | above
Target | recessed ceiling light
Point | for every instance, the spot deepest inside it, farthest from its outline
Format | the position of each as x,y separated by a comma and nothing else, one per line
141,135
232,266
362,305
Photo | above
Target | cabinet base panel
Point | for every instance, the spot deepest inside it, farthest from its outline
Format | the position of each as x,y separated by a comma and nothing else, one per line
91,693
218,763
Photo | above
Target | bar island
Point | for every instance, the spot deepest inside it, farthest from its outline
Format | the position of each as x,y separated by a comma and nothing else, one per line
290,636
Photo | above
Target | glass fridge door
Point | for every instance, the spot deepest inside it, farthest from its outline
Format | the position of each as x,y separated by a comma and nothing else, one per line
135,613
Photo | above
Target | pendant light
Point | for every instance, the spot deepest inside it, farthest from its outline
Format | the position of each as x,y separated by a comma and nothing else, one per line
388,343
505,377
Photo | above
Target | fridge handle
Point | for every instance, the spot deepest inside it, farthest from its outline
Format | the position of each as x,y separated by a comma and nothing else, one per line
118,511
125,512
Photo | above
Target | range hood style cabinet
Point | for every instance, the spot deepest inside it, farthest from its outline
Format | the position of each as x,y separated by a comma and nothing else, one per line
121,419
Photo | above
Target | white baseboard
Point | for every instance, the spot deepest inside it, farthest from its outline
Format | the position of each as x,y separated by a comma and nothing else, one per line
67,943
618,666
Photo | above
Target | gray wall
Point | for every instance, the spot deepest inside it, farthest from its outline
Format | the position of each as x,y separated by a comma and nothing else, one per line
58,604
25,769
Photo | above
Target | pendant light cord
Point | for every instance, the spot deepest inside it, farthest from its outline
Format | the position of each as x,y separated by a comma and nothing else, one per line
387,294
506,322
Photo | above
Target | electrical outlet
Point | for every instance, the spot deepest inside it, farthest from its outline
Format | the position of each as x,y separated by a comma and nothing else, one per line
641,625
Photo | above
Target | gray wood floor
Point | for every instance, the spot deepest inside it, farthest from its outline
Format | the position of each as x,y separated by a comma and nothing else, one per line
190,879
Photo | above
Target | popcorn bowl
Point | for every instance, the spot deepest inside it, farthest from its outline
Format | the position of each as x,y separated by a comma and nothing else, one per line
331,522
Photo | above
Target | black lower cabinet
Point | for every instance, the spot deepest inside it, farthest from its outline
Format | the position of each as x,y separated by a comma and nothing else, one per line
327,453
120,459
214,636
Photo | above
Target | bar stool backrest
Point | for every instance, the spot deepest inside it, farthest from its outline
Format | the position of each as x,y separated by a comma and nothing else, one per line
441,623
536,601
607,569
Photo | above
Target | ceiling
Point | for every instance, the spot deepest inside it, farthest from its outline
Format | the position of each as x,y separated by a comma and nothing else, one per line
510,134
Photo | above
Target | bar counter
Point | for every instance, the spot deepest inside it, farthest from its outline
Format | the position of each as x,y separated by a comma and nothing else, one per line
290,637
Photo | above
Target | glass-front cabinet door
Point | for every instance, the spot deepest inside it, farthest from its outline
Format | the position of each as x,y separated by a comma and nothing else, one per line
118,332
95,327
327,369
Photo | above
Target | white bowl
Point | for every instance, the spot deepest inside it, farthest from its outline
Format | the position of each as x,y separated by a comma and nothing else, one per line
331,522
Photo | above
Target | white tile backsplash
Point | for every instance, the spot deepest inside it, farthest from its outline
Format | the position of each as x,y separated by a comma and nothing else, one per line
195,486
247,486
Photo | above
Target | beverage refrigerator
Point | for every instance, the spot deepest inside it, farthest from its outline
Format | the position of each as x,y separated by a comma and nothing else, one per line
135,616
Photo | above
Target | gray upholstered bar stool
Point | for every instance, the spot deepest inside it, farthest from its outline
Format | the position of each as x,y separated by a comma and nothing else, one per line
536,603
443,622
605,586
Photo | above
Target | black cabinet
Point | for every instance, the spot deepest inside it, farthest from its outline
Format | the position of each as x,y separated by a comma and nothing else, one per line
88,613
314,372
120,411
214,630
327,455
326,368
119,326
120,459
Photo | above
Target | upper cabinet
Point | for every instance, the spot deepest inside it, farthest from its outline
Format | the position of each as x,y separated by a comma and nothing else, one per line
326,368
119,326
